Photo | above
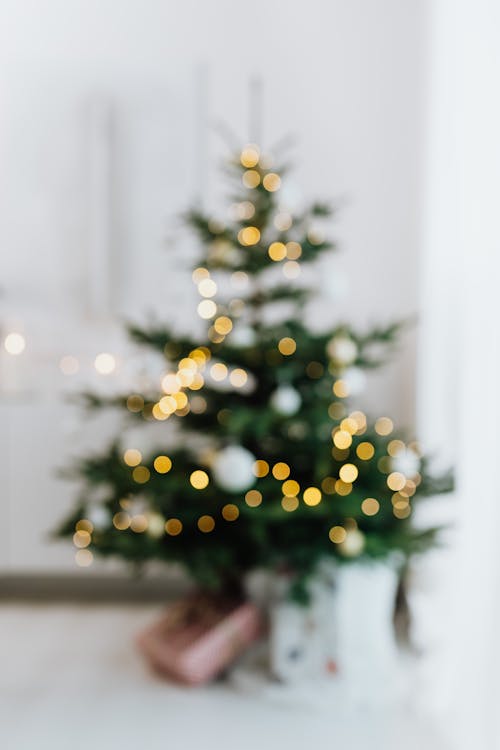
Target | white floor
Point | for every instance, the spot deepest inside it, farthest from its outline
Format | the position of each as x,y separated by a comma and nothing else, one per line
71,679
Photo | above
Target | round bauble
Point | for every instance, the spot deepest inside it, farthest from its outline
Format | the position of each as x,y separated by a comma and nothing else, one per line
353,544
355,380
232,468
342,350
286,400
406,462
99,516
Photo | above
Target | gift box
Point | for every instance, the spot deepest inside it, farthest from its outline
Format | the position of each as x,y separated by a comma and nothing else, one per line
199,635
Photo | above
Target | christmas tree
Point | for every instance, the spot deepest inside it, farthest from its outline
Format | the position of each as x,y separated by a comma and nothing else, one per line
270,465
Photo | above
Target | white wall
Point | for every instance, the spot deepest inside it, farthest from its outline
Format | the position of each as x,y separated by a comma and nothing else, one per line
344,76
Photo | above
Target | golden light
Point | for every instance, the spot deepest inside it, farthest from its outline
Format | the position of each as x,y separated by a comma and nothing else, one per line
272,182
199,274
218,371
201,355
287,346
14,343
132,457
395,447
328,485
396,481
250,178
180,399
84,525
253,498
290,488
343,488
348,473
336,410
207,288
277,251
281,470
84,558
250,156
162,464
248,236
121,521
402,513
337,534
230,512
199,479
167,405
260,468
340,389
290,504
293,250
206,524
238,378
370,506
158,414
173,526
105,363
349,425
135,403
170,383
139,523
81,539
223,325
207,309
342,439
197,382
312,496
384,426
360,420
365,451
141,474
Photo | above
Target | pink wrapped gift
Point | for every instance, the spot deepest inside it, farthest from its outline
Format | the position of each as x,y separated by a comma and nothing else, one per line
198,636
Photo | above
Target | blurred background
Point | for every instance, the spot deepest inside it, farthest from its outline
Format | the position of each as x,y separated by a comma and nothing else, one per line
116,116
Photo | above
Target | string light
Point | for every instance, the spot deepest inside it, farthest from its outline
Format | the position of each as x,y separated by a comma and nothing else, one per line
290,488
84,525
250,178
396,481
281,470
260,468
173,526
277,251
249,236
289,504
328,485
395,447
337,534
341,438
340,389
218,371
250,156
343,488
132,457
238,378
287,346
312,496
14,343
384,426
348,473
162,464
223,325
365,451
105,363
293,250
81,539
199,274
370,506
141,474
199,479
139,523
230,512
84,558
121,520
170,383
207,309
253,498
206,524
271,182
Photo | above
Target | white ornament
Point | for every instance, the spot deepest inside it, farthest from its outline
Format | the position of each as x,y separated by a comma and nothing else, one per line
342,349
233,468
355,379
156,525
406,462
99,516
354,543
286,400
